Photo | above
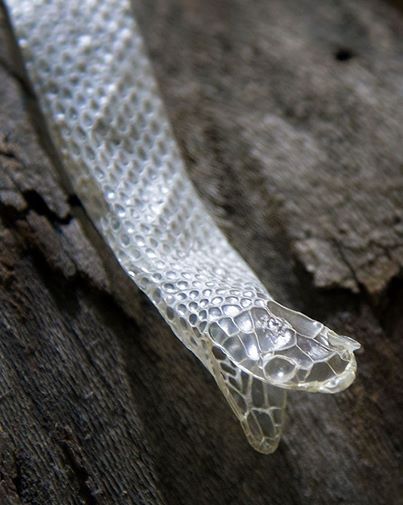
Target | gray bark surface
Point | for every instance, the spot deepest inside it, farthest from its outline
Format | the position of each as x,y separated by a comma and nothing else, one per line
289,117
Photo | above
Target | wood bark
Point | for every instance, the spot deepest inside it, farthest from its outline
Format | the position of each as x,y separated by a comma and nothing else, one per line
289,117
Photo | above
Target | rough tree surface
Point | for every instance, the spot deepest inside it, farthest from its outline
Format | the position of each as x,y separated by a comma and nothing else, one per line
289,116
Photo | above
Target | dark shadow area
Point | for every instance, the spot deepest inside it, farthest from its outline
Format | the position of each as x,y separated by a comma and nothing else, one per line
344,54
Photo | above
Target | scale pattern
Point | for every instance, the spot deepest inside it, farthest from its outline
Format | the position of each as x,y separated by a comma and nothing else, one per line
94,83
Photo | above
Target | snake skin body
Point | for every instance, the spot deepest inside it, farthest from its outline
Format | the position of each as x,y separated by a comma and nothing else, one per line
87,64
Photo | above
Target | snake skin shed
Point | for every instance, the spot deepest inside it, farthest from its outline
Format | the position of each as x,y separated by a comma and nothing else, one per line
93,80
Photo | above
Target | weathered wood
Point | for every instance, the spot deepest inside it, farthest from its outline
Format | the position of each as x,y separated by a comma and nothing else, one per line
288,116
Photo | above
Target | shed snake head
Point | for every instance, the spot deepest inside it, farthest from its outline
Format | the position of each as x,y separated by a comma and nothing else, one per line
287,349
